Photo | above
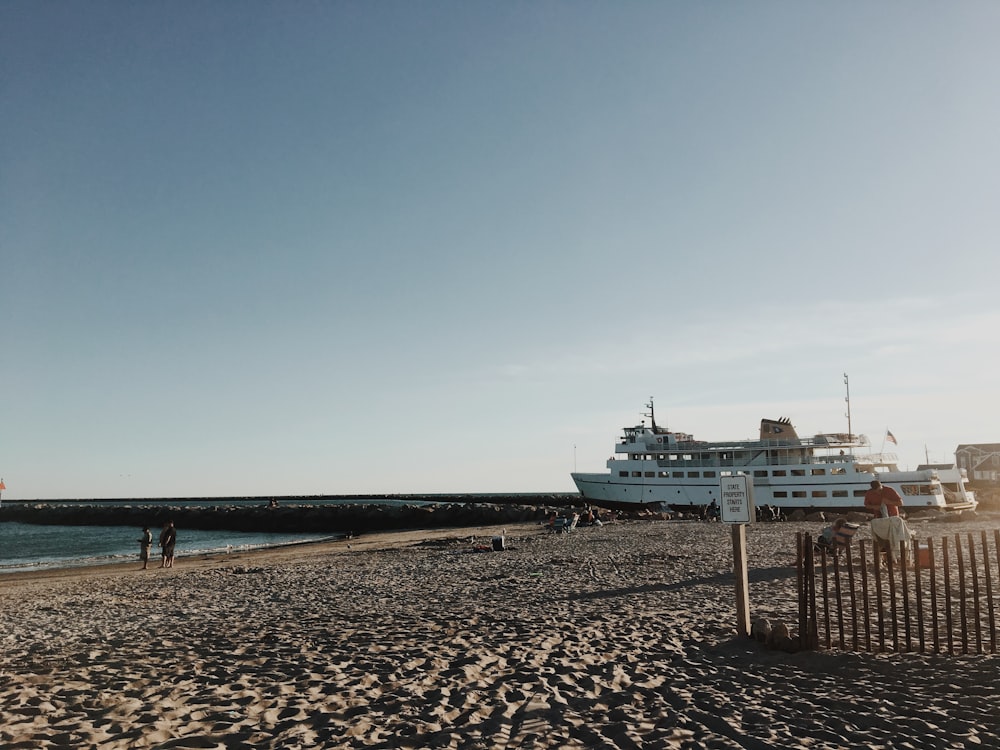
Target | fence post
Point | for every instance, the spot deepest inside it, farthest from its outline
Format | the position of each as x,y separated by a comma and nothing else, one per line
989,592
961,594
974,567
890,568
814,615
932,572
864,594
800,573
918,589
878,594
854,600
905,583
840,600
945,563
826,595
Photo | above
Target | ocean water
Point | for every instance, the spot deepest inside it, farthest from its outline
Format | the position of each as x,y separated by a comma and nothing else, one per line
27,546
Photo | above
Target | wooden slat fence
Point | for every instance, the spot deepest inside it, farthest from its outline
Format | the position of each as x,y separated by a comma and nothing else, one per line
936,598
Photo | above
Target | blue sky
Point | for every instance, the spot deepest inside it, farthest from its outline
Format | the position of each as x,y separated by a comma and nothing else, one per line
311,248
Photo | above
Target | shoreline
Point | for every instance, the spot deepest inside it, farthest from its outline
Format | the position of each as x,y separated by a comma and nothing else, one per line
469,520
279,554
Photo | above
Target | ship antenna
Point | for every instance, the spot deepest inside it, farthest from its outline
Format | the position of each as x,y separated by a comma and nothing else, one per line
847,384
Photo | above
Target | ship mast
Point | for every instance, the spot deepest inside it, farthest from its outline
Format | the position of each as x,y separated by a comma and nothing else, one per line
652,413
847,384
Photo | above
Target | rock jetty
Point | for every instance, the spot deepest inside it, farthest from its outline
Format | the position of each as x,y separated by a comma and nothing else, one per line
353,518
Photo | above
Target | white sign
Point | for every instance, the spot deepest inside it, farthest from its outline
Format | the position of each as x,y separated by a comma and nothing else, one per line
737,499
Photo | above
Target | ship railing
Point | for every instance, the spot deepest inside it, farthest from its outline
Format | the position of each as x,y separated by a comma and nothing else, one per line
730,463
878,459
772,444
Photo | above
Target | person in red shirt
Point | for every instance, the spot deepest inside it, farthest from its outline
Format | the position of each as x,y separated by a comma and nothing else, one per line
878,496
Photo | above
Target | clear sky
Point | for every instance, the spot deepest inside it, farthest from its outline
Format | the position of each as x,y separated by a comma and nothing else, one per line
255,248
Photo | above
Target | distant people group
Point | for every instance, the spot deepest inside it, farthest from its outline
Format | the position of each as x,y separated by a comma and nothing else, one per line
769,513
167,543
168,540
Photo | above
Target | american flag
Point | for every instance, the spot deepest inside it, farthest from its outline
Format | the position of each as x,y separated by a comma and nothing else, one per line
890,437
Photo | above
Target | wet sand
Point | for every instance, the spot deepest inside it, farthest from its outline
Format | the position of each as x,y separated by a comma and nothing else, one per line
619,636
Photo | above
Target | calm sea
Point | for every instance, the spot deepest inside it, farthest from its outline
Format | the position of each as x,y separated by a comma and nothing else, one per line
27,546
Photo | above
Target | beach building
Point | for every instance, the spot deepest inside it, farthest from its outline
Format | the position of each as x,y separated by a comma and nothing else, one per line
981,462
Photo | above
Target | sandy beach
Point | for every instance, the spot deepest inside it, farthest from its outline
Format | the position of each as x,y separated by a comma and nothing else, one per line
620,636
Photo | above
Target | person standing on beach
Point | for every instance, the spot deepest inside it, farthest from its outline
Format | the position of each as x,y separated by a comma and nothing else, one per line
879,497
168,540
145,545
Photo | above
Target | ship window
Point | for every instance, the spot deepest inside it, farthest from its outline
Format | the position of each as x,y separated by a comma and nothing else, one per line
780,493
661,457
664,474
623,473
760,473
692,475
709,474
798,472
818,472
860,493
799,493
840,493
637,473
819,493
678,475
838,470
778,473
650,473
686,456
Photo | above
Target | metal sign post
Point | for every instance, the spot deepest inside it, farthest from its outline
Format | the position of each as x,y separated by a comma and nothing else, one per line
738,509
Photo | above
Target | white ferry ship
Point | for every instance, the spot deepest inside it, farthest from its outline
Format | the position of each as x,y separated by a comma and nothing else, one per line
655,467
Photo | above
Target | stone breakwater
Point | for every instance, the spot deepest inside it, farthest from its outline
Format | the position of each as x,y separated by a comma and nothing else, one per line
335,519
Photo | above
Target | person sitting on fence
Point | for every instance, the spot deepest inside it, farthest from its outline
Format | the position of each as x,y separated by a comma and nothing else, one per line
836,537
889,533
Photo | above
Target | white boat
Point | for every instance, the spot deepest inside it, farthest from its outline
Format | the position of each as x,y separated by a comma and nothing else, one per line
655,467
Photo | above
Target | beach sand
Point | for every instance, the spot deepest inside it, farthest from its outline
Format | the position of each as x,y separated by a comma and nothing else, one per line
621,636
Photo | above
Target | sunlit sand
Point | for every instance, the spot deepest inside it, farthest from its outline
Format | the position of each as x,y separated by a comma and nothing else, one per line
618,636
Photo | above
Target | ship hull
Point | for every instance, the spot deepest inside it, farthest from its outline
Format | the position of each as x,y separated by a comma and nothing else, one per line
611,492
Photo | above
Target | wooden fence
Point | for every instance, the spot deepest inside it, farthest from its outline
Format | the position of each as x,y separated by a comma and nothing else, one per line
938,597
